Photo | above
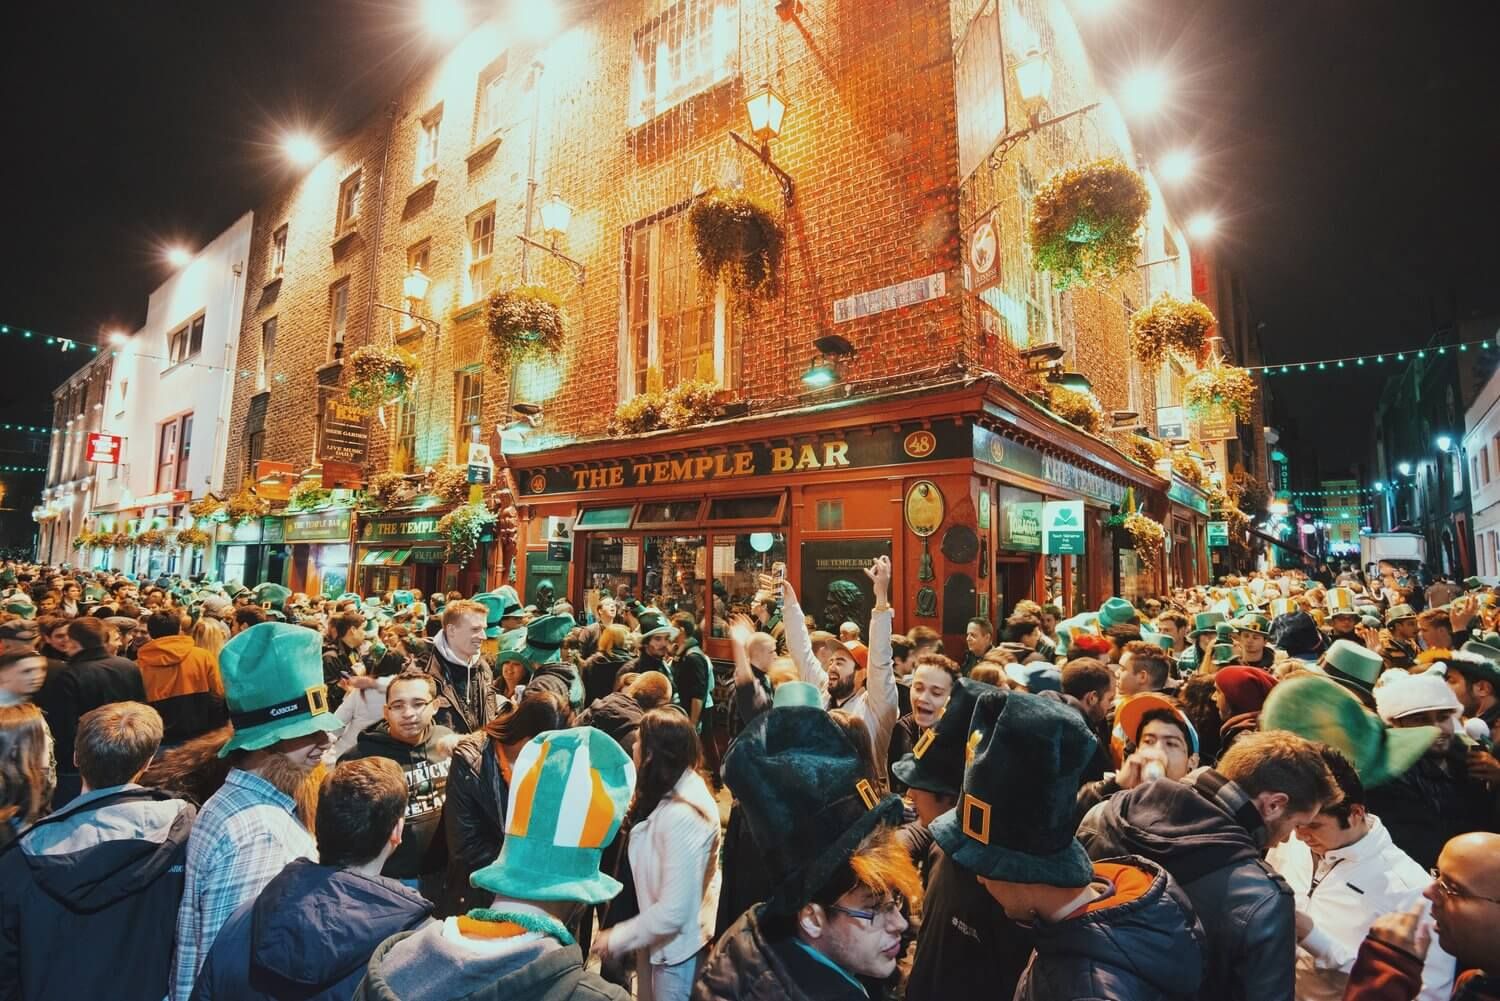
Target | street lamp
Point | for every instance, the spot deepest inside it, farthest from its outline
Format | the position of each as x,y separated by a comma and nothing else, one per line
1404,468
444,19
118,338
557,215
1203,225
1145,92
824,372
301,149
414,286
766,108
1034,77
1176,165
1444,443
179,256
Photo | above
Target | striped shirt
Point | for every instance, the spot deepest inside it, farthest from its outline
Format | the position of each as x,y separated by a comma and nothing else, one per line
245,834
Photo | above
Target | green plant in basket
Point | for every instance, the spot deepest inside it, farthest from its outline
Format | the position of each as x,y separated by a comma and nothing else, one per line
461,529
381,374
1085,222
1169,324
527,319
740,240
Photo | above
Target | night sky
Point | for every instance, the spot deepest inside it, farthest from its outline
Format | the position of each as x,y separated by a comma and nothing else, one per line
1348,146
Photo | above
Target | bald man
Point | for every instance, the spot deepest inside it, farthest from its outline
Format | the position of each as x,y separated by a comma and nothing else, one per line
1465,901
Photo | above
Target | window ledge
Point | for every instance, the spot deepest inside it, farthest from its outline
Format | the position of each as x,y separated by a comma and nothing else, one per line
468,312
330,366
344,237
272,282
422,187
484,148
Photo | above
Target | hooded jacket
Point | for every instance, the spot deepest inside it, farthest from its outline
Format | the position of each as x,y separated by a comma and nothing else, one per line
618,715
747,966
309,935
426,767
89,908
437,962
90,679
183,685
1208,835
474,814
1140,942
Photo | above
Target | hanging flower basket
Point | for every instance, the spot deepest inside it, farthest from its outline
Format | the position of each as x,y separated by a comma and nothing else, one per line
114,540
1187,469
153,538
449,482
308,497
526,320
194,538
1146,451
245,505
1149,537
1221,385
1169,324
207,506
388,490
739,240
461,529
381,375
1085,222
85,540
1080,409
684,405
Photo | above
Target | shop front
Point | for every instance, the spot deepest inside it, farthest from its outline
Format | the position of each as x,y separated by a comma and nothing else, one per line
1187,535
951,481
317,551
243,552
403,550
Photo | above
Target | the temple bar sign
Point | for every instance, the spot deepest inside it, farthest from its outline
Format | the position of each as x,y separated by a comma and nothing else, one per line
854,449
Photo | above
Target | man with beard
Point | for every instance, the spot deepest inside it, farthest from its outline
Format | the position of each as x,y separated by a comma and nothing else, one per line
249,830
1474,676
657,635
457,663
1211,831
423,749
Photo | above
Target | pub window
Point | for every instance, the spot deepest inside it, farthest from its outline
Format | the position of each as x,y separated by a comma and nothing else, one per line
491,100
676,332
404,436
760,507
267,352
278,253
675,570
255,446
1038,283
595,518
469,400
426,164
830,515
684,512
738,562
688,48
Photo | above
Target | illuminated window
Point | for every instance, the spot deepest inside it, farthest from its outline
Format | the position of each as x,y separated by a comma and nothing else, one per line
349,203
173,441
491,100
338,319
469,406
278,252
675,333
185,342
267,352
685,50
481,252
427,145
404,435
1037,287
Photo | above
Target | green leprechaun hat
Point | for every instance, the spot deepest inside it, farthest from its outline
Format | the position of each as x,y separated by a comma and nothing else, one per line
1116,612
1205,622
273,684
1022,749
544,638
570,792
1322,710
936,761
494,605
271,595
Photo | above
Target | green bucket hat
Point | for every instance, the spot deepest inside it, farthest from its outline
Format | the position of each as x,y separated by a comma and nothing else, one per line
1473,583
653,623
936,761
1355,667
1320,710
1022,749
512,642
1253,623
797,693
493,604
1116,612
401,599
271,595
1398,613
1205,622
273,683
806,799
571,792
544,637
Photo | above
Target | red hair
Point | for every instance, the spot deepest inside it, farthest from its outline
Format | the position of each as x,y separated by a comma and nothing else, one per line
1091,644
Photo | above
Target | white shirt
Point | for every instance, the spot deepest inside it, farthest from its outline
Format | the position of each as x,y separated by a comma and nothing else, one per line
1344,892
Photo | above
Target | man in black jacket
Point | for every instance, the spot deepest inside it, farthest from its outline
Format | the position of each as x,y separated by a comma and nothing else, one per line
464,678
424,751
1211,831
312,930
89,908
91,678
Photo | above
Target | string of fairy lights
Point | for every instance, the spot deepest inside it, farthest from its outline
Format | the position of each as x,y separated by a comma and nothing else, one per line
1379,358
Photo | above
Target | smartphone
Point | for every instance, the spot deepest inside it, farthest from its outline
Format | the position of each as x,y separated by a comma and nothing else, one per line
778,574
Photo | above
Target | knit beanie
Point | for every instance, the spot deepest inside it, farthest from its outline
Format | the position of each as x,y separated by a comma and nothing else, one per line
1244,688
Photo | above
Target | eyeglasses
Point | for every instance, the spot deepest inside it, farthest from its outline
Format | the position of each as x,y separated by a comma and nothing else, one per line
885,910
1454,893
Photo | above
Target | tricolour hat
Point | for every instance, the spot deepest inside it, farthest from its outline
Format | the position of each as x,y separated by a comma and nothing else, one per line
1355,667
544,637
1205,622
1319,710
1415,693
1116,612
1398,613
806,798
1340,601
936,761
1022,749
653,623
273,683
1130,712
1281,606
571,791
1240,600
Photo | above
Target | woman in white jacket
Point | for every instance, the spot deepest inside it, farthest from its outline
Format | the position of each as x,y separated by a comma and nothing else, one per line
674,857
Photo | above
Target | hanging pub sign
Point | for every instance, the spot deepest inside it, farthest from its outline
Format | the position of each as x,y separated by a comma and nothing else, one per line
982,256
1218,534
886,445
1216,422
343,432
104,449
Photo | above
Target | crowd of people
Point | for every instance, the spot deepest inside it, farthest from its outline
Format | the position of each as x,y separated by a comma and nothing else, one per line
1270,788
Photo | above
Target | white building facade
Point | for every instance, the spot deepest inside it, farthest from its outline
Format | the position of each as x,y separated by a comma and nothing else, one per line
1481,452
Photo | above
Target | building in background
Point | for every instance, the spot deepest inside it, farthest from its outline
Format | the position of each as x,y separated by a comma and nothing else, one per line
155,405
1480,449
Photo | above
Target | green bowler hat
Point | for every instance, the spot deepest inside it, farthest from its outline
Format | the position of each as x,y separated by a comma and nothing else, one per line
544,638
1116,612
1354,666
1398,613
797,693
1253,623
1321,710
571,791
1223,654
271,595
1205,622
273,683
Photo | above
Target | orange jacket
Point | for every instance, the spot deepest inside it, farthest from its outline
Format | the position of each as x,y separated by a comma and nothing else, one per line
183,684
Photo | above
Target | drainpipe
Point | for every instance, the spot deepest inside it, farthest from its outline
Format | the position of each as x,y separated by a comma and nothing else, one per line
373,267
531,182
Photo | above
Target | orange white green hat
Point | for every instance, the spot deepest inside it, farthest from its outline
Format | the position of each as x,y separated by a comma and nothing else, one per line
569,793
1340,601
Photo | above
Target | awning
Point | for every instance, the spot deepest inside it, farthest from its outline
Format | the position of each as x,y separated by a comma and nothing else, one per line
385,558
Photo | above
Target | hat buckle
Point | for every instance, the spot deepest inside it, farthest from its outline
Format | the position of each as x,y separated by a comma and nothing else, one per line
924,742
867,793
317,699
974,807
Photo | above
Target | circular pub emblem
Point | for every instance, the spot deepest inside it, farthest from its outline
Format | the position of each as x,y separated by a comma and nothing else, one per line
997,449
920,444
538,483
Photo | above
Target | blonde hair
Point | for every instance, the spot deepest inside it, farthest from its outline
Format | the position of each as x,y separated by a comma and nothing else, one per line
883,866
612,636
210,634
782,669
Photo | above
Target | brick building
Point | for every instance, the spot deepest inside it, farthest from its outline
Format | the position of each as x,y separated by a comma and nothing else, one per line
896,113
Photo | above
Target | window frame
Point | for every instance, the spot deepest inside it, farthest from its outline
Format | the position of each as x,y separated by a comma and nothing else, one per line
489,83
646,100
278,251
176,468
338,333
472,375
429,132
349,203
472,294
185,342
268,329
